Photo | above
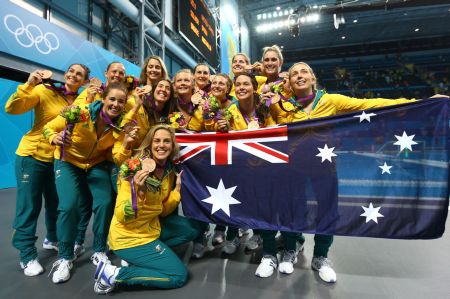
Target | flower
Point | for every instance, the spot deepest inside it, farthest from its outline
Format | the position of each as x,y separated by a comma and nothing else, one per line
177,120
130,167
131,82
73,114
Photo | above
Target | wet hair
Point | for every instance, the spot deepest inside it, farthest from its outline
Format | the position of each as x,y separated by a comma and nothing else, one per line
200,64
114,62
145,149
114,85
143,75
309,69
241,54
188,71
168,108
252,79
229,82
87,71
275,49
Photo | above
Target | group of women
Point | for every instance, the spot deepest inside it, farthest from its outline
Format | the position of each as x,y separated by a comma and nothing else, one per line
74,150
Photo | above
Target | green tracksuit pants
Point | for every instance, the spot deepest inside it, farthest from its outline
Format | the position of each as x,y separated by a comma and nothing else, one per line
34,179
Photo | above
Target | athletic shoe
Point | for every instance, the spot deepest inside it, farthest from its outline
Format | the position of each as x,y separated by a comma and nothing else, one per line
218,237
254,242
124,263
32,268
268,264
231,246
243,231
62,271
97,257
287,262
78,250
324,266
50,245
105,278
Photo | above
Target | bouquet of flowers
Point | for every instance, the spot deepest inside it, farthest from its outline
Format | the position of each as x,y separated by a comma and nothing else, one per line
129,168
274,87
73,114
177,120
213,110
131,82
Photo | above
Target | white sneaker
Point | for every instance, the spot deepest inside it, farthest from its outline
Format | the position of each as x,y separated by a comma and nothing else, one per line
324,266
32,268
243,231
78,250
288,261
199,250
124,263
267,266
97,257
62,272
105,278
218,237
231,246
50,245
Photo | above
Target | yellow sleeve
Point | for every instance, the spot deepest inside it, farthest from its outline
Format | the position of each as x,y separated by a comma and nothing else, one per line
81,98
123,210
170,204
280,116
261,81
346,104
119,152
23,100
53,127
210,125
196,123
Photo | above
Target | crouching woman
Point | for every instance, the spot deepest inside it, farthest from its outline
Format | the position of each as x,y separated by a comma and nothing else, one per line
148,188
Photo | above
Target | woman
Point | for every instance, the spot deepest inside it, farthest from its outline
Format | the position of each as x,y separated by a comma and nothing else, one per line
34,161
183,83
134,233
153,70
81,164
201,79
308,102
240,63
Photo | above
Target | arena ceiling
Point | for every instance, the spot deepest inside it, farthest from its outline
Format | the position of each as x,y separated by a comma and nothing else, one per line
371,27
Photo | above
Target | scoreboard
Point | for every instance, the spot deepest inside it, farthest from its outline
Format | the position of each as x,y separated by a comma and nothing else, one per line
198,26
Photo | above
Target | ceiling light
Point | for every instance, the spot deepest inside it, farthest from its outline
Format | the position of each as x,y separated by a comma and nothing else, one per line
258,17
275,14
280,13
280,33
291,10
269,15
286,12
282,47
278,8
343,37
355,21
416,30
264,16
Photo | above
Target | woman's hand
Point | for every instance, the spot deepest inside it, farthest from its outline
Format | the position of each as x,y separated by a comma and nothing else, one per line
223,125
139,180
35,78
130,137
178,181
58,140
92,90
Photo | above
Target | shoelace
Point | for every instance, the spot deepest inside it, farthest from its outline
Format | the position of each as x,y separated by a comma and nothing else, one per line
57,264
323,261
289,256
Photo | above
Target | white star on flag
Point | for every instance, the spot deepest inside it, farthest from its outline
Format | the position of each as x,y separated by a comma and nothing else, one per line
405,141
385,168
221,198
371,213
326,153
364,116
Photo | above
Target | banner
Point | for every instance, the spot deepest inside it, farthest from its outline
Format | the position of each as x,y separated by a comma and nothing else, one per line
375,173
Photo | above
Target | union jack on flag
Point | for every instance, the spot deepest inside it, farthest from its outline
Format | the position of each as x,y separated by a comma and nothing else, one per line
222,144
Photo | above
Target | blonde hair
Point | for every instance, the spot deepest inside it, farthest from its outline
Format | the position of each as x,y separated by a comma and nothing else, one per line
188,71
143,76
241,54
275,49
309,69
145,149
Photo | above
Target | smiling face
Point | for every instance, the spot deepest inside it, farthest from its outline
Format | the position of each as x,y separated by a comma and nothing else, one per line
271,64
115,73
114,102
244,88
302,79
183,84
154,70
219,87
75,77
238,64
162,146
162,92
201,76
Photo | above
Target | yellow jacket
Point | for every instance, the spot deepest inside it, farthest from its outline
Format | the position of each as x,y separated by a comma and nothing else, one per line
47,105
197,123
326,105
86,149
125,230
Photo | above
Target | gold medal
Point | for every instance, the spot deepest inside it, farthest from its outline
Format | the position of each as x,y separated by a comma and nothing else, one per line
196,99
148,165
146,89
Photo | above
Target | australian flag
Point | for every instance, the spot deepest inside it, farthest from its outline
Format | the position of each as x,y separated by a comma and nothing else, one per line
376,173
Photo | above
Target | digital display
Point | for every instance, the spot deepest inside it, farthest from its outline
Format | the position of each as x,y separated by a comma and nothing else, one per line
198,27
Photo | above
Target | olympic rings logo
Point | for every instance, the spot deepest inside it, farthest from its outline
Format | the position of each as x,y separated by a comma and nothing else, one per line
31,35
